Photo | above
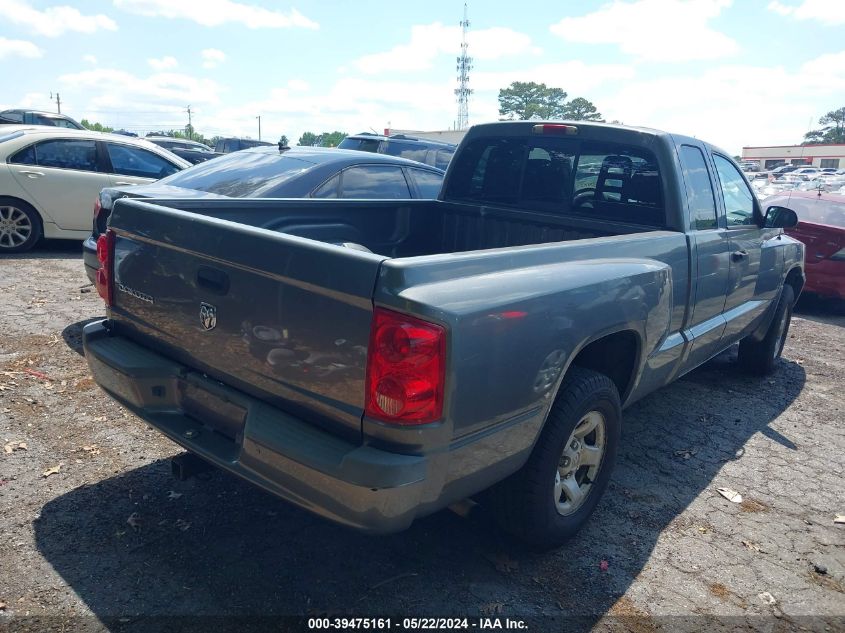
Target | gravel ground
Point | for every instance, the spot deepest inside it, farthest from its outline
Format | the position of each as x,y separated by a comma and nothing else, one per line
96,535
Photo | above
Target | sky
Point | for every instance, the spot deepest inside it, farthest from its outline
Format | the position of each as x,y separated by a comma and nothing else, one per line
733,72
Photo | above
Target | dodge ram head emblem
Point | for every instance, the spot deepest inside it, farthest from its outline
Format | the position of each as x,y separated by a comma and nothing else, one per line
208,316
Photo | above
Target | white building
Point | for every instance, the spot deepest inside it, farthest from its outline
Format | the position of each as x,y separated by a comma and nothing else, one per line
828,155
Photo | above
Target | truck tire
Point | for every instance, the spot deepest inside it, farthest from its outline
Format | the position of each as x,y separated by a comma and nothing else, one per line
760,357
20,226
556,491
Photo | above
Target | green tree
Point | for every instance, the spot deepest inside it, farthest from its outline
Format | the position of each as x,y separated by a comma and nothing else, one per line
580,109
332,139
523,100
833,130
96,127
307,139
283,140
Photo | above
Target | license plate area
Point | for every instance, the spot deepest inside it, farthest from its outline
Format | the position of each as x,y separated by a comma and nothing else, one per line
214,411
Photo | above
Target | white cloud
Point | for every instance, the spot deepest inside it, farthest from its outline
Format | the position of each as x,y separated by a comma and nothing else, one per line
53,21
124,100
212,57
829,12
299,85
430,40
658,30
163,63
18,48
90,59
745,104
217,12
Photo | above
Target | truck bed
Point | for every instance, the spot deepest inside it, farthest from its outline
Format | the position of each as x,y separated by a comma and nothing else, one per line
406,229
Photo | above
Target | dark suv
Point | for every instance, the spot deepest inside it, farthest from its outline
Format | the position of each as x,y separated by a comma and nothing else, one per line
229,145
434,153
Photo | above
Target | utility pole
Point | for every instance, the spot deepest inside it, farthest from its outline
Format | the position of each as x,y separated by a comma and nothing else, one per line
58,101
463,91
190,125
259,126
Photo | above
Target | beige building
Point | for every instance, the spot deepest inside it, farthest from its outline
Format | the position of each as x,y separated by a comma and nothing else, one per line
829,155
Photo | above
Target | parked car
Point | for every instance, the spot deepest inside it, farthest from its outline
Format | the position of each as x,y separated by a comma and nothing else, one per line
36,117
489,338
191,151
821,227
228,145
777,172
50,178
268,172
749,165
434,153
806,173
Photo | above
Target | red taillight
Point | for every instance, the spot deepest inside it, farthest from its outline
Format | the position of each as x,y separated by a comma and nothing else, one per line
406,366
105,253
555,128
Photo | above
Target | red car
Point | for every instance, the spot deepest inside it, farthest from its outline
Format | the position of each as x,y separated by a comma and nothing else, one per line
821,226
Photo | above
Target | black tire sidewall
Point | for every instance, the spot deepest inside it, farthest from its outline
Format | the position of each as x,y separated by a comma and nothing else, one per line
568,525
554,528
34,218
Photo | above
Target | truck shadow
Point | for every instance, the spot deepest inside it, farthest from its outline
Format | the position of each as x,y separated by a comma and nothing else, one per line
214,546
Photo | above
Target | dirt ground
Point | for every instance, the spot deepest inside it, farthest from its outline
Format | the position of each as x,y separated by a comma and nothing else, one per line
96,535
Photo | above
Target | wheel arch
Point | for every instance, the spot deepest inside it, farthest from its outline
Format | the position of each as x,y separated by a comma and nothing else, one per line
18,200
795,278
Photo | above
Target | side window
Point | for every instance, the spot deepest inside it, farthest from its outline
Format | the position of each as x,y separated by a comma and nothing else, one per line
739,201
134,161
67,154
26,156
428,182
13,116
378,182
702,204
443,157
618,183
328,189
411,151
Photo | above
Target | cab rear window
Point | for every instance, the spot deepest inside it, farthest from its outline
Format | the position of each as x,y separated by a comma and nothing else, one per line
603,181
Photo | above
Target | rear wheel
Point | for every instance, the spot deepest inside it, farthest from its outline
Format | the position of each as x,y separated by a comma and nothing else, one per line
554,494
760,357
20,226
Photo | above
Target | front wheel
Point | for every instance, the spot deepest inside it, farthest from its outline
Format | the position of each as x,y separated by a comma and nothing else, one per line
760,357
556,491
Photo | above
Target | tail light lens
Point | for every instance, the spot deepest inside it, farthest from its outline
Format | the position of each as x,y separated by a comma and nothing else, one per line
105,275
406,366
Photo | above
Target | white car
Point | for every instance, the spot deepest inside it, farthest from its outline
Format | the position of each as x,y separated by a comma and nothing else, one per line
50,178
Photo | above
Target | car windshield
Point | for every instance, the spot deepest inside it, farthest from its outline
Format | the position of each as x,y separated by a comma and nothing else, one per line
832,213
240,174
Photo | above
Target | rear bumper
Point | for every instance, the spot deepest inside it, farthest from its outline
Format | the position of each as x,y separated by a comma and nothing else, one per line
360,486
89,258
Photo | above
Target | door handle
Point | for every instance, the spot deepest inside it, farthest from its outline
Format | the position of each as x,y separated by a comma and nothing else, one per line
739,255
32,174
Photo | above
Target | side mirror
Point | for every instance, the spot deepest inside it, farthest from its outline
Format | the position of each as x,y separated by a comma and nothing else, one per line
780,218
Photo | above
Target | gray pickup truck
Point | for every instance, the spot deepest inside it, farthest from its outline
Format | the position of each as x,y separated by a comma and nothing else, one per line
375,361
